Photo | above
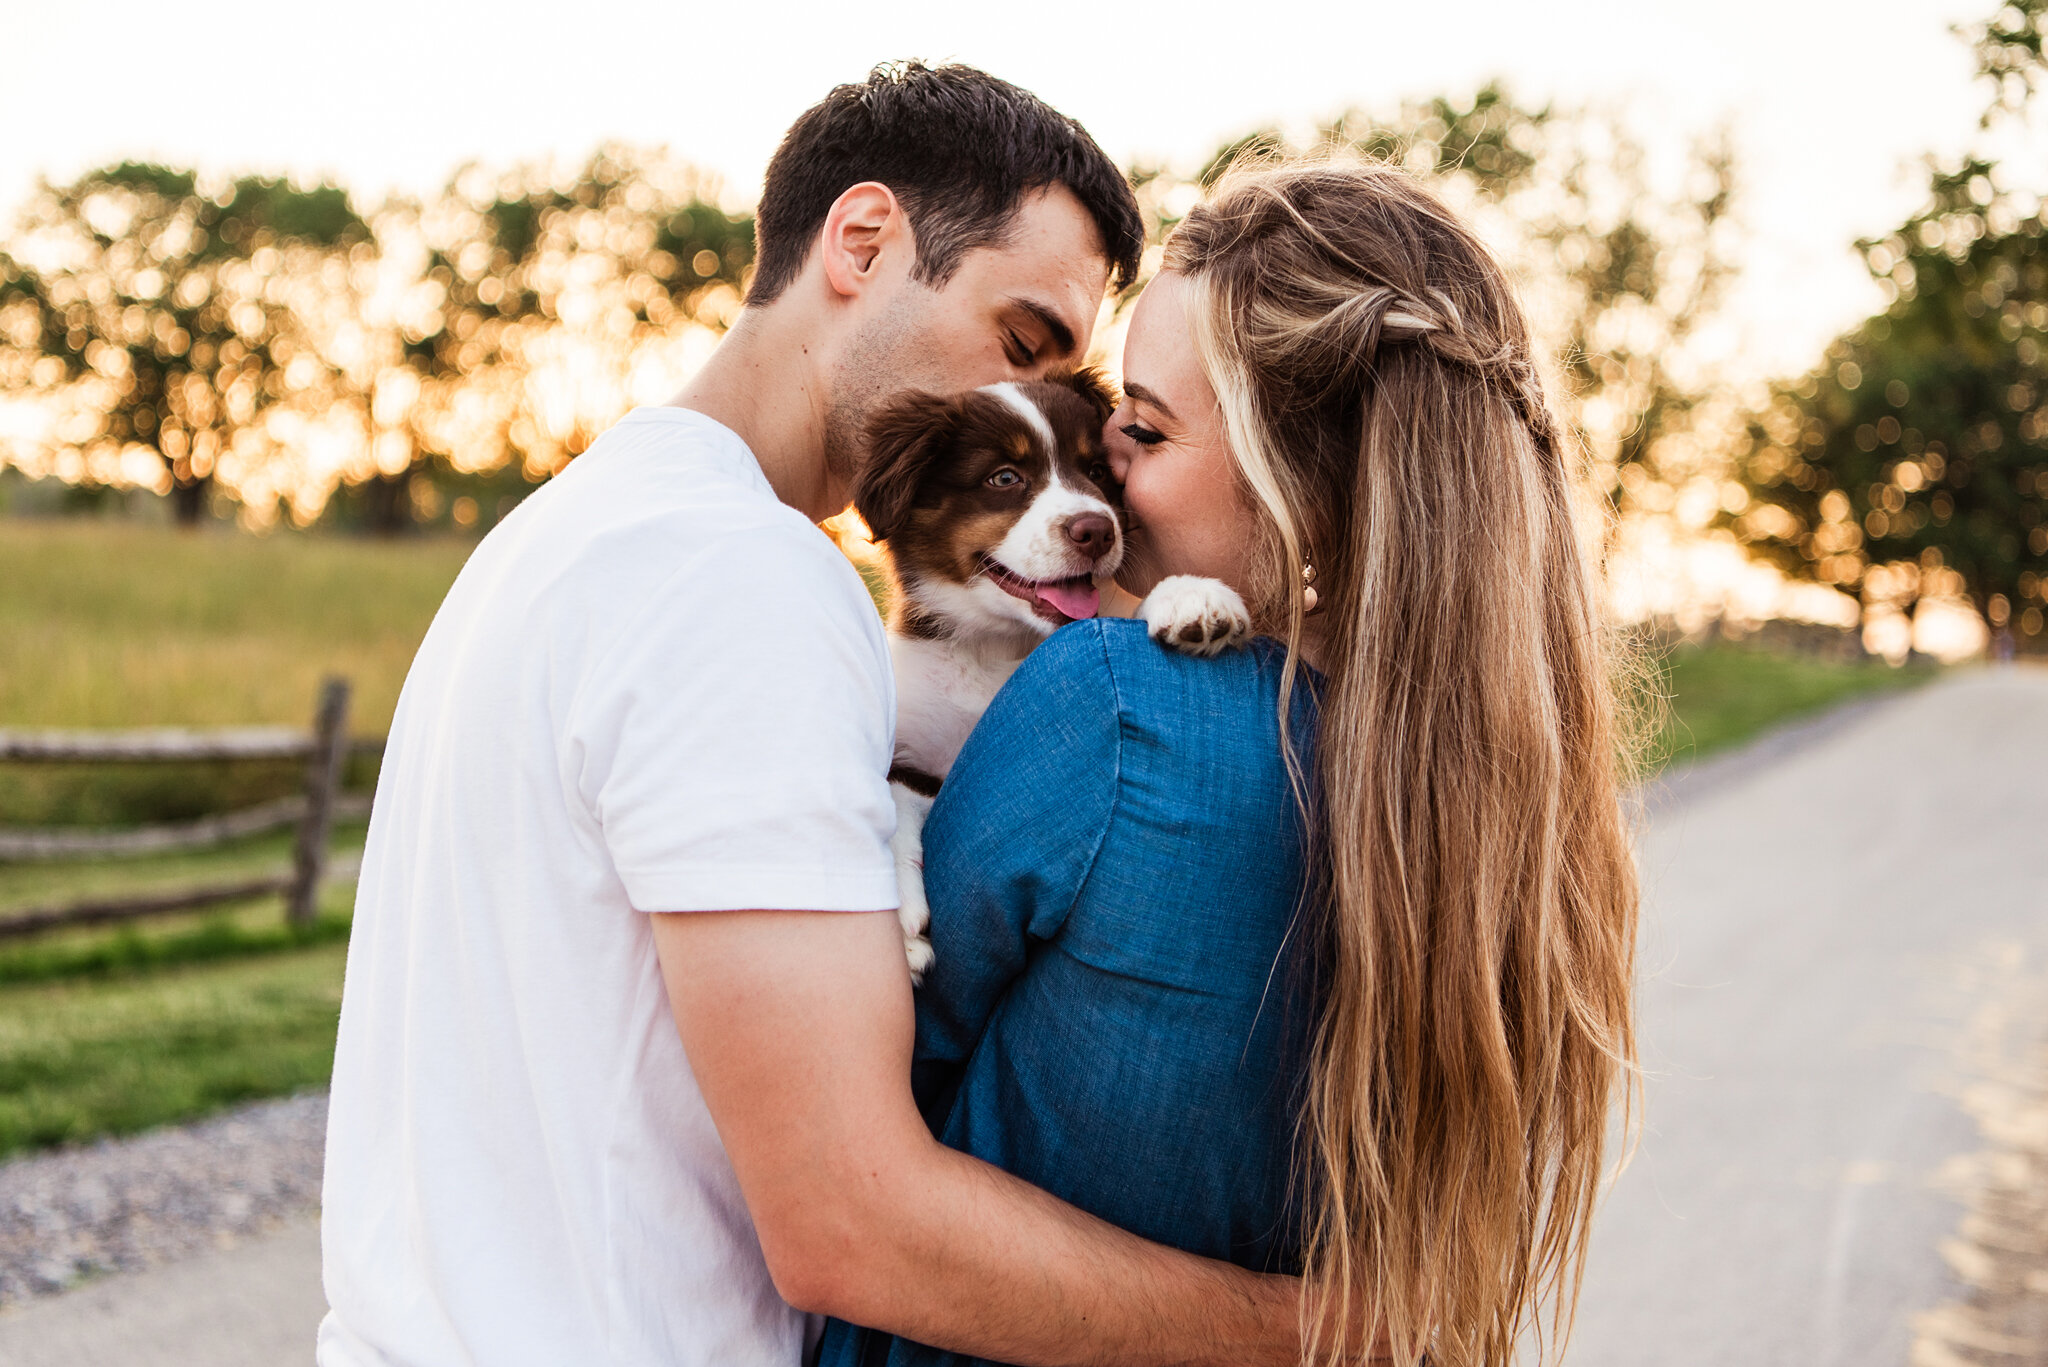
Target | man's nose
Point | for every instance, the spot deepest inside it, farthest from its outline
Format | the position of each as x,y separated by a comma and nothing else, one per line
1092,534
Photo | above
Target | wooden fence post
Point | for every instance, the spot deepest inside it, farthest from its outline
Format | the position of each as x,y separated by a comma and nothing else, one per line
323,780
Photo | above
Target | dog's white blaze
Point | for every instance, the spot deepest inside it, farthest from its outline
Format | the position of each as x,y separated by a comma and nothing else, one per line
1036,545
1033,416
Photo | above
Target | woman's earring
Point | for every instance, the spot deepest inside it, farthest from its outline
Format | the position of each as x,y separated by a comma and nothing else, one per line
1308,592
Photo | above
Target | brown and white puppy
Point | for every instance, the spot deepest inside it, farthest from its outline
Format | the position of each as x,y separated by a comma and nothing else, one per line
1001,520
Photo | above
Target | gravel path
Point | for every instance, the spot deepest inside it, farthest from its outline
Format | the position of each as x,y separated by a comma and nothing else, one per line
125,1204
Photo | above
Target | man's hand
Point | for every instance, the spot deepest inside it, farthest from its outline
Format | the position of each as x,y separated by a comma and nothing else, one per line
799,1027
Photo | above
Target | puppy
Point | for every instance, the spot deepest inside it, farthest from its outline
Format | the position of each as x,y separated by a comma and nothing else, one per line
1001,519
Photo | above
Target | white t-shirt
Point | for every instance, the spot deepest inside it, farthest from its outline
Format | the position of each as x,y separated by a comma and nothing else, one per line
653,687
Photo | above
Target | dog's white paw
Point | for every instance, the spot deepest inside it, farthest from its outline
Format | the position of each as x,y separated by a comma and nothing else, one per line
913,913
1194,615
918,951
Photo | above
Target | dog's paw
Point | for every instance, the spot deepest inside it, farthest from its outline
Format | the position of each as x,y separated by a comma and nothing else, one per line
915,916
918,950
913,913
1194,615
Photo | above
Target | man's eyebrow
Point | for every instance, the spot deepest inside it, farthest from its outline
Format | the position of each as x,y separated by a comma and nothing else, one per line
1144,395
1062,335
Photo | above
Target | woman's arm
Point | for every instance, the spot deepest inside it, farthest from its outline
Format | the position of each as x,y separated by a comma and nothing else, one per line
1011,839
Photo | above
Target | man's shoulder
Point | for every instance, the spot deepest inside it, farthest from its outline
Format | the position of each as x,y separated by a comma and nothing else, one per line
668,462
668,494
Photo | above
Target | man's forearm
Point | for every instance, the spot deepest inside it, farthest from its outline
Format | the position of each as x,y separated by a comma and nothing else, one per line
960,1255
799,1030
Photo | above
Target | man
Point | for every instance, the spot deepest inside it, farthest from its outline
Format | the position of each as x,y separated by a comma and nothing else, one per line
623,1073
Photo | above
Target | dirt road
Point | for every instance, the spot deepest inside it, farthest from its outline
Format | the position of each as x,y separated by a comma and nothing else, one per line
1845,1003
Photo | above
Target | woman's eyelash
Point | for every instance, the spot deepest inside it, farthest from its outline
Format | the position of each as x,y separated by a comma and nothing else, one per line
1143,435
1019,349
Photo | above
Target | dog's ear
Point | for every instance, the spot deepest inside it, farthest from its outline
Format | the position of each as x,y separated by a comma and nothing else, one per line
904,438
1092,385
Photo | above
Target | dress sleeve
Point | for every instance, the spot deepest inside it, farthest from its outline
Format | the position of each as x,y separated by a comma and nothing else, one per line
1012,837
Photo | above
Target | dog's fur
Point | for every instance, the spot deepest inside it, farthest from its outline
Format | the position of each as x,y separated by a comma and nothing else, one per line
1001,519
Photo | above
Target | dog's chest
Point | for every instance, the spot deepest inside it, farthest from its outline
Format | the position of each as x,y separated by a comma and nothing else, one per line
942,688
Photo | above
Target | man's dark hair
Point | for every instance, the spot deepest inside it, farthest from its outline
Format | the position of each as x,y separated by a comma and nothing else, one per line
960,150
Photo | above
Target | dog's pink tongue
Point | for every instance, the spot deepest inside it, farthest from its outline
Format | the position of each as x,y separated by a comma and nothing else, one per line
1077,598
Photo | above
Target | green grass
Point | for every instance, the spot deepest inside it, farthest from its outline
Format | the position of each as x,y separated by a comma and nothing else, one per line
121,624
120,1053
1724,693
249,930
108,1031
38,884
117,624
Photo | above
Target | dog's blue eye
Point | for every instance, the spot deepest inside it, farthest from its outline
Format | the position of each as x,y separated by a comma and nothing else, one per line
1004,478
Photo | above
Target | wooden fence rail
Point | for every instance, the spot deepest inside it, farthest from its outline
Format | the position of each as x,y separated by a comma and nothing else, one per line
25,844
167,744
153,746
324,749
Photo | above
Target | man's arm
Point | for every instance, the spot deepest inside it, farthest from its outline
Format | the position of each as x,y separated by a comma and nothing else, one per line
798,1026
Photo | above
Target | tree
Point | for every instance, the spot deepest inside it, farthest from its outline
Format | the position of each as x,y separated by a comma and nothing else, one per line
1913,463
526,300
1617,275
159,312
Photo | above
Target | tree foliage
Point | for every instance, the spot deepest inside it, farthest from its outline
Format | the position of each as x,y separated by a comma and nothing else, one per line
477,340
1618,273
160,314
500,270
1913,462
2008,47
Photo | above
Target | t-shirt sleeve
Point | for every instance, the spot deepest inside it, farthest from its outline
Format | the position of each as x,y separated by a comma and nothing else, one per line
734,747
1012,837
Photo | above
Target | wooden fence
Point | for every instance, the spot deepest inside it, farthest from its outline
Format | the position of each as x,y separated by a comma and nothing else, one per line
324,749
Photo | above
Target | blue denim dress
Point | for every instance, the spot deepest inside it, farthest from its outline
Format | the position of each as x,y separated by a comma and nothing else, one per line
1121,1006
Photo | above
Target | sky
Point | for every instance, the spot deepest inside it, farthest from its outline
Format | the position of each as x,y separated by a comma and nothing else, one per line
1831,102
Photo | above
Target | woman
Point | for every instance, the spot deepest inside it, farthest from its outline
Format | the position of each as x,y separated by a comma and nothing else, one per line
1317,957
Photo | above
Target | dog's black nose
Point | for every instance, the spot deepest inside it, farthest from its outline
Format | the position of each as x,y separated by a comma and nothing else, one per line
1092,534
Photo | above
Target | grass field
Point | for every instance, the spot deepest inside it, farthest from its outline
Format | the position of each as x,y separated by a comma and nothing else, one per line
114,625
1722,694
114,1053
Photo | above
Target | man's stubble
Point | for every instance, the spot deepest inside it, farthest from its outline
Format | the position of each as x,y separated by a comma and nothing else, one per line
890,355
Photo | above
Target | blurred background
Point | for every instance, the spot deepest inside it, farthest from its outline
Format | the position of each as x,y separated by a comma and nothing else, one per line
292,311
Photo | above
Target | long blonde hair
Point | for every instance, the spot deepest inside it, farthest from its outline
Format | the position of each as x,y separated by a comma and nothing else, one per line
1389,425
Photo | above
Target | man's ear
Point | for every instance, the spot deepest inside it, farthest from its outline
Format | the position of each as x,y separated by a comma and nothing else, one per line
904,438
862,223
1092,385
